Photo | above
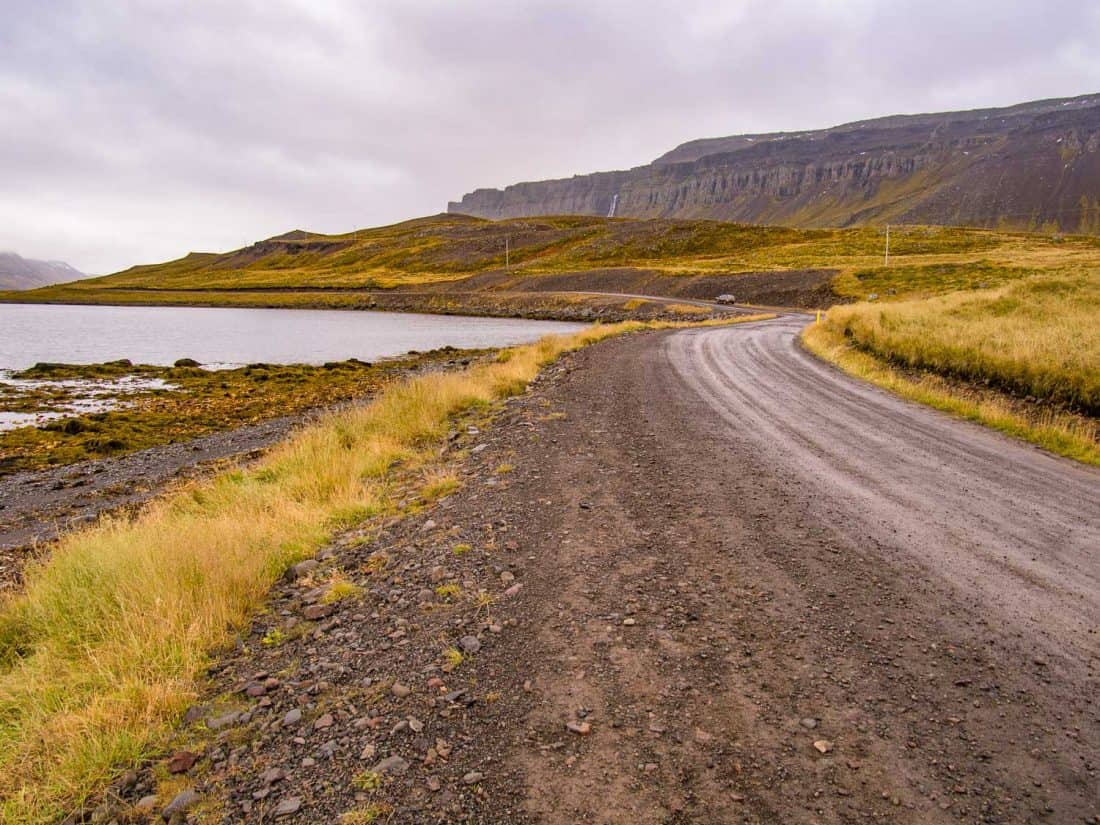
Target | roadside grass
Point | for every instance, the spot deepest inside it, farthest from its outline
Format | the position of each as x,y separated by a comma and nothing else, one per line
688,309
106,646
1037,338
1067,434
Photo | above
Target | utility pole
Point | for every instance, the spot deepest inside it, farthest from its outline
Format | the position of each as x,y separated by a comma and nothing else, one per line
887,245
507,251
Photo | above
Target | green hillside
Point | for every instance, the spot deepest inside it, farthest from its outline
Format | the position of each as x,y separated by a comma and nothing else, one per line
447,251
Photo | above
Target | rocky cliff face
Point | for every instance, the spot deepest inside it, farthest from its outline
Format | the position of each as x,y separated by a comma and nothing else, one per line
1032,166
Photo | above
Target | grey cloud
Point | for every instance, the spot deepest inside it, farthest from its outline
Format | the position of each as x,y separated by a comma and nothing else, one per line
137,131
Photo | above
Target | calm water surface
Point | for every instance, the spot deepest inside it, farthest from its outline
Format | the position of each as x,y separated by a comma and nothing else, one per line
30,333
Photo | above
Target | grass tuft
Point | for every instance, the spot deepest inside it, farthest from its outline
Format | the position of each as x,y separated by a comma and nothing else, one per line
367,781
367,815
448,592
454,657
339,588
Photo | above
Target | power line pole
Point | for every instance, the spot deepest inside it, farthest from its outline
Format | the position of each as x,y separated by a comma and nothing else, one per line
887,245
507,251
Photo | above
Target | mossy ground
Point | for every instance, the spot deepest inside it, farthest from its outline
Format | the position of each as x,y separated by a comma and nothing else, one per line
200,402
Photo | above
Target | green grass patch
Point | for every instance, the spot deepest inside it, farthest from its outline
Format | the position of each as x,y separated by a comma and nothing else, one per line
922,280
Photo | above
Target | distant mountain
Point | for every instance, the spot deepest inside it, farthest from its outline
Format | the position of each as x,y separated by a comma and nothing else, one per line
17,272
1031,166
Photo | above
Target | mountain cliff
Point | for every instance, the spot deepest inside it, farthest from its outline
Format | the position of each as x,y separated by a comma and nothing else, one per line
17,272
1031,166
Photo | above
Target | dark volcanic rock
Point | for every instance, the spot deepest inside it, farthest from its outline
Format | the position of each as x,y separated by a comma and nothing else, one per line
1027,166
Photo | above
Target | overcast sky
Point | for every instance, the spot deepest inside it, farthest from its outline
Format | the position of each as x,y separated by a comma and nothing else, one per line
135,131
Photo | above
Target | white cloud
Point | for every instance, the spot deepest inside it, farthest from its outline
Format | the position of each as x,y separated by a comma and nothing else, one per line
137,131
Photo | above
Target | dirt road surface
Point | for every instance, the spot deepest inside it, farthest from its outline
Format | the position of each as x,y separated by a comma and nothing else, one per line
725,584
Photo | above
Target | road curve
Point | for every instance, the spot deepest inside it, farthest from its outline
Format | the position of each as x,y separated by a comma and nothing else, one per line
997,541
1004,523
736,309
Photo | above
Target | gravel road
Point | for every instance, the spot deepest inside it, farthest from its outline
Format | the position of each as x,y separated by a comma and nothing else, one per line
718,581
1007,526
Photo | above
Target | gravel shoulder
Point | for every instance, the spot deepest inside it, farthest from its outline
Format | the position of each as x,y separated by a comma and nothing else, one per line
694,577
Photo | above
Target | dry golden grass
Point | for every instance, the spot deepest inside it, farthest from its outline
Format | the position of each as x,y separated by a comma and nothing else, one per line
1038,337
105,647
1071,435
688,309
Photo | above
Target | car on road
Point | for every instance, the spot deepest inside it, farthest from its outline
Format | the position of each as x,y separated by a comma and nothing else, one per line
725,298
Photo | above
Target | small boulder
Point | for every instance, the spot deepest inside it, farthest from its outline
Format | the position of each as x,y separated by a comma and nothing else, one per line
180,804
182,761
316,612
147,803
288,806
302,568
392,764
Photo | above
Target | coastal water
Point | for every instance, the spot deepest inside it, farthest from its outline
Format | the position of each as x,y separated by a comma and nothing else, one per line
30,333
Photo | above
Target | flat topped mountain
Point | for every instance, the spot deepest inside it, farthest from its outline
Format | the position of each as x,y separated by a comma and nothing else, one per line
17,272
1031,166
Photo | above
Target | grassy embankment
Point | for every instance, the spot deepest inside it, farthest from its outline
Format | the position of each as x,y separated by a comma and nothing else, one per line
106,646
197,403
1022,358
